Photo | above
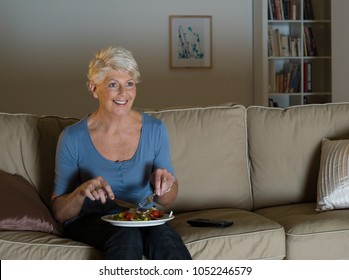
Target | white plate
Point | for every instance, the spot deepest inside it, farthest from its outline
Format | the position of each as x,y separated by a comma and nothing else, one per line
149,223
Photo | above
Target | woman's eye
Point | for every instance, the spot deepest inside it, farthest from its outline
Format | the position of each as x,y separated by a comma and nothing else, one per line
130,84
113,85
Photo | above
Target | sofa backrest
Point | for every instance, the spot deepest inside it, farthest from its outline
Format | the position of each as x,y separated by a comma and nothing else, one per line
285,149
209,155
208,150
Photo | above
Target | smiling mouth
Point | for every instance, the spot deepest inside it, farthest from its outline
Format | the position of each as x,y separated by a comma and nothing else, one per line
120,102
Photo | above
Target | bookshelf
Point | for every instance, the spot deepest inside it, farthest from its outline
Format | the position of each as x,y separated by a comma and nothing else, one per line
292,52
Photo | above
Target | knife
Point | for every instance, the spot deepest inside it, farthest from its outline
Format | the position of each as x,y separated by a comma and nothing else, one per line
124,203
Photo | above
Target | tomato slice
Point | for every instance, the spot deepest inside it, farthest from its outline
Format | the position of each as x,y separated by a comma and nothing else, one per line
154,214
129,216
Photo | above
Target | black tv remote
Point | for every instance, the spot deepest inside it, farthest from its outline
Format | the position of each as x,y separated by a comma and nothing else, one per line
209,223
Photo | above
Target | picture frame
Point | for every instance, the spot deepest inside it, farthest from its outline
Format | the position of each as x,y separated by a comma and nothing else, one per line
190,41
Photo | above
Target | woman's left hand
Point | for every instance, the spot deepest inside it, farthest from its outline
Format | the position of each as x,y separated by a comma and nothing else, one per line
162,181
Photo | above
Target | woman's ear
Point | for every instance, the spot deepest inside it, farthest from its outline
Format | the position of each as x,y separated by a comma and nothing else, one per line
92,88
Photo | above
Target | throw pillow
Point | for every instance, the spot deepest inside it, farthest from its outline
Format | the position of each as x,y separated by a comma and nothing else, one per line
333,180
21,207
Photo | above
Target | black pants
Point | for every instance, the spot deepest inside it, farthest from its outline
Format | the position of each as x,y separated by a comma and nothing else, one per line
128,243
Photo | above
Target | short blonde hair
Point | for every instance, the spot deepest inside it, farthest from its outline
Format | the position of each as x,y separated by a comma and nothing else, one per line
117,58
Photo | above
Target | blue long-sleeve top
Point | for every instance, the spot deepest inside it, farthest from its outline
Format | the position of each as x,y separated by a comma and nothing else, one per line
77,160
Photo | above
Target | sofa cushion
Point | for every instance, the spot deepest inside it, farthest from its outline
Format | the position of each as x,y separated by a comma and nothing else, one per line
333,180
209,155
285,150
49,128
27,245
20,137
21,207
311,234
252,236
30,143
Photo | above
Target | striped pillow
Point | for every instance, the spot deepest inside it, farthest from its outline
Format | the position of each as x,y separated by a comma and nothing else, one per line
333,180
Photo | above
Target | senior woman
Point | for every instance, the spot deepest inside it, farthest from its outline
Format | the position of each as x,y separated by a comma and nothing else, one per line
115,152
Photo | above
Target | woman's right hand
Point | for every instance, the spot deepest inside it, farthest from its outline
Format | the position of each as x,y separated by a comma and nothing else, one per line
68,206
96,189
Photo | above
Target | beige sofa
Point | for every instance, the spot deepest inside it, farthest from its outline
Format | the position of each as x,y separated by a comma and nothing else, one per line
256,166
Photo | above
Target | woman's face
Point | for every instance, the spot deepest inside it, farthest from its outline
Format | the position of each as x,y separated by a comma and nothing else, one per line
116,93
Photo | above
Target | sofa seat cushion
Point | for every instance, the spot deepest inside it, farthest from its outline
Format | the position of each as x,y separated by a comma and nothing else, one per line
20,245
311,234
251,237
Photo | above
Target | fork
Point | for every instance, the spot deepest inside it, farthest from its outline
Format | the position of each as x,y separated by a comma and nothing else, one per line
146,202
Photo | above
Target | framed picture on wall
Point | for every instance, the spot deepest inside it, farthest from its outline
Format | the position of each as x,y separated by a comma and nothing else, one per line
190,41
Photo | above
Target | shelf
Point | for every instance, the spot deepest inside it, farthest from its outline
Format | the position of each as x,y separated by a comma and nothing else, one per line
293,57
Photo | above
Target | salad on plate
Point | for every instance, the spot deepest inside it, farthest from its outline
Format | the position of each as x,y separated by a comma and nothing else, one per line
138,218
133,214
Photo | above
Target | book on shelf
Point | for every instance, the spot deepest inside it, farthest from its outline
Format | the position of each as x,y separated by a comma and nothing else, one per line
307,76
286,81
308,10
282,9
282,45
309,46
285,45
278,42
295,80
274,39
305,46
295,46
271,51
290,9
278,10
271,10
